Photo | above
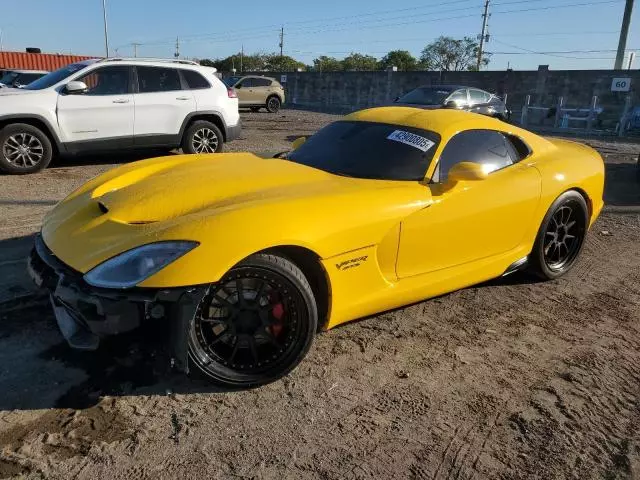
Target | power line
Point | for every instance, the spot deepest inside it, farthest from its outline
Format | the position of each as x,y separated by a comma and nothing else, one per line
223,36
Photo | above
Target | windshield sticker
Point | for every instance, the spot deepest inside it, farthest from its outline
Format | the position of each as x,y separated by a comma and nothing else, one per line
412,139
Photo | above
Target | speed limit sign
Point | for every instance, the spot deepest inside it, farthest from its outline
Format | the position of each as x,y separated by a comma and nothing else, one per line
620,84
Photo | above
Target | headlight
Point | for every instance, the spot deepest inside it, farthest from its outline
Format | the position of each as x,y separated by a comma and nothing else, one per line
132,267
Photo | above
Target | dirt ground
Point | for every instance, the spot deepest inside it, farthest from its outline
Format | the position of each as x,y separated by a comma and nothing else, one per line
509,379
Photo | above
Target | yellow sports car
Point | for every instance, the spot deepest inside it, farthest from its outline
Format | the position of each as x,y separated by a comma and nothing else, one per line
249,257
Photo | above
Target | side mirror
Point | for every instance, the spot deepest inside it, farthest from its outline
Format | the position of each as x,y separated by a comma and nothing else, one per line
76,88
467,172
450,104
297,143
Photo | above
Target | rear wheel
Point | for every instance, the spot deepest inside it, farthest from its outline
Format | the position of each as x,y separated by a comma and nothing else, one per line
561,236
273,104
24,149
255,325
202,137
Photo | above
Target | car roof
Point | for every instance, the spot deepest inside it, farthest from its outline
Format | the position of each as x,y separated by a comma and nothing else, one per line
450,87
259,76
445,122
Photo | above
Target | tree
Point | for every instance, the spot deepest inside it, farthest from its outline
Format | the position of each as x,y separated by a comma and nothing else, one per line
205,62
358,62
449,54
399,58
326,64
276,63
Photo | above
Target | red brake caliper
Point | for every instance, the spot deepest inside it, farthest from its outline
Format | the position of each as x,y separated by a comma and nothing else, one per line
278,312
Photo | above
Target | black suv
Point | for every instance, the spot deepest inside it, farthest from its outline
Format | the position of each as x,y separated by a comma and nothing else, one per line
456,96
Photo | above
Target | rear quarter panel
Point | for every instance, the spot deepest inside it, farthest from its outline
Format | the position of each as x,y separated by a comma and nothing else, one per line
571,166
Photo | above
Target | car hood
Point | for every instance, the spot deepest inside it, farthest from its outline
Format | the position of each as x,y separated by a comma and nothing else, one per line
140,203
6,91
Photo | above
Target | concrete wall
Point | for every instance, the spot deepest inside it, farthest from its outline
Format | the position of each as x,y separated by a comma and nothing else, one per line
348,91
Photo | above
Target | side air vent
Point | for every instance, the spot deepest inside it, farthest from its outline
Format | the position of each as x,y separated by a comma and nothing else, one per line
103,208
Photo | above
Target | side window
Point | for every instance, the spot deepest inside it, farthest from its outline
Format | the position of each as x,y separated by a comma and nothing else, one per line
112,80
262,82
247,83
487,147
195,80
522,150
460,97
27,78
477,96
158,79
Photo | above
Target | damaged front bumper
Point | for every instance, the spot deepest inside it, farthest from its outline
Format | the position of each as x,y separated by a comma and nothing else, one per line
85,314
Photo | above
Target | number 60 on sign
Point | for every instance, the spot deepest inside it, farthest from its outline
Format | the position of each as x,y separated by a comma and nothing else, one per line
620,84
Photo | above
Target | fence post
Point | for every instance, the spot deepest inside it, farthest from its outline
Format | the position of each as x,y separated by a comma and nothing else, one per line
592,111
525,111
558,112
624,118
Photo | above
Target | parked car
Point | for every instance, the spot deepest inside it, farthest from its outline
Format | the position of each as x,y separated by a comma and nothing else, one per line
19,78
458,97
112,104
257,92
247,257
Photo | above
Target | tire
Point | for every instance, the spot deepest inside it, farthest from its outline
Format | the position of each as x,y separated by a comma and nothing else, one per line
273,104
255,109
24,149
567,220
238,342
200,136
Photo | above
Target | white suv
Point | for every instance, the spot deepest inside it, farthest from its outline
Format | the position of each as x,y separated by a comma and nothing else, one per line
115,103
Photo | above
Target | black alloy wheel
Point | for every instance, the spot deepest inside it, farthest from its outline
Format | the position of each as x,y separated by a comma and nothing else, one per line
255,325
561,236
273,104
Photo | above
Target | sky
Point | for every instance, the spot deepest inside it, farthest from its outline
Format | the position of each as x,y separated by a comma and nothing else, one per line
563,29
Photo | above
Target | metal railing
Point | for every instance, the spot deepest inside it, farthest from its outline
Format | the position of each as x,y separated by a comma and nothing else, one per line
588,117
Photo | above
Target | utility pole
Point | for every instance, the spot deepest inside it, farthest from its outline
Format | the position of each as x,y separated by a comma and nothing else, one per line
632,55
624,31
241,58
106,35
0,39
177,54
281,41
485,17
135,49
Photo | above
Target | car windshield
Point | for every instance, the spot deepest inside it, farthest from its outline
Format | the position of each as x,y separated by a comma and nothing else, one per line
369,150
8,78
425,96
56,76
231,81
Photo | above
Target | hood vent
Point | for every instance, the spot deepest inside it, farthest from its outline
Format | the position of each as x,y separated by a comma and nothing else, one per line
103,208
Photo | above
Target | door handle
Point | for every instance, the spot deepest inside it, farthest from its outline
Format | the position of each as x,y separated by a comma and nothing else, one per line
121,100
182,98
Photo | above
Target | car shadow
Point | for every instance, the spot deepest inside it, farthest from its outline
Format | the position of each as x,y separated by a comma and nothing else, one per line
39,370
622,184
112,158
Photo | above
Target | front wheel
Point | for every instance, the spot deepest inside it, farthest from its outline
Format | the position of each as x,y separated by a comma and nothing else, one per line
24,149
255,325
202,137
273,104
561,236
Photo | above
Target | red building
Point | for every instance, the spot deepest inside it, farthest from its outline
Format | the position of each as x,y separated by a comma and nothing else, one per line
37,61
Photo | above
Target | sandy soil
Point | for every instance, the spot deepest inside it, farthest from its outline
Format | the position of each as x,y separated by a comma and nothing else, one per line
510,379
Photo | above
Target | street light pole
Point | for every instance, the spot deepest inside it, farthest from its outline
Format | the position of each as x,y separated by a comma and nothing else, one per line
106,34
